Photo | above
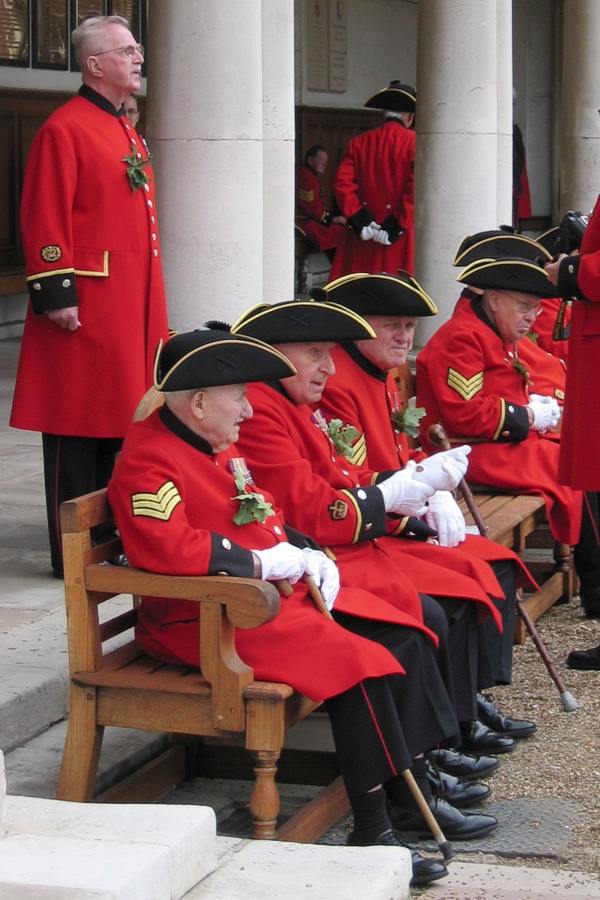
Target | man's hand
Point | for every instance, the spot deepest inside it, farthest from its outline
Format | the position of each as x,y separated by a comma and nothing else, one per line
444,471
67,317
544,412
382,237
325,573
368,232
281,561
446,518
403,495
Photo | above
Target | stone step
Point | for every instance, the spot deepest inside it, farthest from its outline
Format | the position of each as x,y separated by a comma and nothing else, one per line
474,881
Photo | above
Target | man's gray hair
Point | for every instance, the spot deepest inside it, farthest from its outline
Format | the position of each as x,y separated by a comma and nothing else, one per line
91,32
179,399
394,114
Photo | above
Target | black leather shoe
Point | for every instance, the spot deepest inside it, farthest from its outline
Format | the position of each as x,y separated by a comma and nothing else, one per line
585,660
590,604
491,716
455,791
462,765
482,739
453,822
424,870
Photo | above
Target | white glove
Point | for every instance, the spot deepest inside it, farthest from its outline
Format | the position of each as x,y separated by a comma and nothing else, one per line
403,495
325,573
382,237
446,518
281,561
368,231
546,412
444,471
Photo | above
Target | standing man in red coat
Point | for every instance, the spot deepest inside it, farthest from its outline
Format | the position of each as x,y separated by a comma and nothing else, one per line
320,225
94,273
374,189
578,276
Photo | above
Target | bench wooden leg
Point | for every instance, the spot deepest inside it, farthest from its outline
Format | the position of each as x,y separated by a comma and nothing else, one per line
564,563
82,747
264,802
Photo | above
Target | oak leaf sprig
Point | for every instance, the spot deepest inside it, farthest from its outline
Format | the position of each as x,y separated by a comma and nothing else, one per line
253,506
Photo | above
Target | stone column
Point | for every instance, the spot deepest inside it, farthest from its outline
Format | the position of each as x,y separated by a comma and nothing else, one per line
278,149
464,136
205,130
2,796
579,140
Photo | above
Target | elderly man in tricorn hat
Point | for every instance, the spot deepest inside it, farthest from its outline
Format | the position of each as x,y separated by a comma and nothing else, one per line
374,188
472,378
186,503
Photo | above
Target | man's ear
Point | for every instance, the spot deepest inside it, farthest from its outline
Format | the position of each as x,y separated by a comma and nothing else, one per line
92,66
410,118
197,404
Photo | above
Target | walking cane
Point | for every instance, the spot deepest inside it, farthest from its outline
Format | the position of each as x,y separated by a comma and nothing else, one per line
445,846
438,436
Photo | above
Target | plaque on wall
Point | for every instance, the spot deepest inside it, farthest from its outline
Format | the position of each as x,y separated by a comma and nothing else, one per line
50,35
83,9
338,46
130,10
14,33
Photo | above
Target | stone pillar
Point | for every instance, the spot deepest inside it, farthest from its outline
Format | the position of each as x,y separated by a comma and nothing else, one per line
464,136
2,796
278,149
205,130
579,140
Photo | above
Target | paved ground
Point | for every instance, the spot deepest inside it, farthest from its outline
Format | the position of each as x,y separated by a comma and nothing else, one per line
33,666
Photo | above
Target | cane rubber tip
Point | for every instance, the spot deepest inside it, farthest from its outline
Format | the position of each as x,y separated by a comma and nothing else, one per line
446,848
569,702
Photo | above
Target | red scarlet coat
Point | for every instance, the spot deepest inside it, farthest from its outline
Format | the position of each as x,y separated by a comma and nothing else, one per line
467,380
363,396
553,326
186,527
324,495
311,216
90,240
547,373
375,179
579,458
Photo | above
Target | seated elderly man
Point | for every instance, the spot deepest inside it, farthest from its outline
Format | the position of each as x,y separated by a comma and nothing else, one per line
321,492
363,395
472,377
185,502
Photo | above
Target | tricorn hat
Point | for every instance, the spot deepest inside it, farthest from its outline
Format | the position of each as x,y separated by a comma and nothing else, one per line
201,359
497,244
381,294
549,239
519,275
397,97
297,321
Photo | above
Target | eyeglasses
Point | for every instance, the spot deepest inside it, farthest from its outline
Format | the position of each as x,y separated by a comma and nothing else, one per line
127,52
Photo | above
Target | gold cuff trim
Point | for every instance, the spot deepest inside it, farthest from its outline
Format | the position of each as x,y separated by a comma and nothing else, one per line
502,418
51,274
359,518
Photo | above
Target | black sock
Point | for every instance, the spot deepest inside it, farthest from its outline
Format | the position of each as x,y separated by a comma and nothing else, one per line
399,792
370,815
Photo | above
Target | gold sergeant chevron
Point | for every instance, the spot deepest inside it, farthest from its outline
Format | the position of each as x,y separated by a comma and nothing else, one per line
156,506
466,387
359,451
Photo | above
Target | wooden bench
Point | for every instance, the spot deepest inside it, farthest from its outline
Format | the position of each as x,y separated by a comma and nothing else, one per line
122,686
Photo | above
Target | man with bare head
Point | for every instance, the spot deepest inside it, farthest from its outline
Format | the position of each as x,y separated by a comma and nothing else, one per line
90,236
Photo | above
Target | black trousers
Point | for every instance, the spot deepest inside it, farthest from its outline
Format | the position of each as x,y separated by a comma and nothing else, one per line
415,705
586,555
495,649
73,466
459,648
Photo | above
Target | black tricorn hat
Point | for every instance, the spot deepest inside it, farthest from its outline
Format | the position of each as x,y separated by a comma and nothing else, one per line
499,244
397,97
381,294
201,359
519,275
297,321
549,238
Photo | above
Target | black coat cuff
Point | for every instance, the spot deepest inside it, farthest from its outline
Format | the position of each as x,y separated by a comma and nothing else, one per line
49,292
326,218
514,423
393,228
371,519
414,529
361,219
567,285
383,476
228,558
